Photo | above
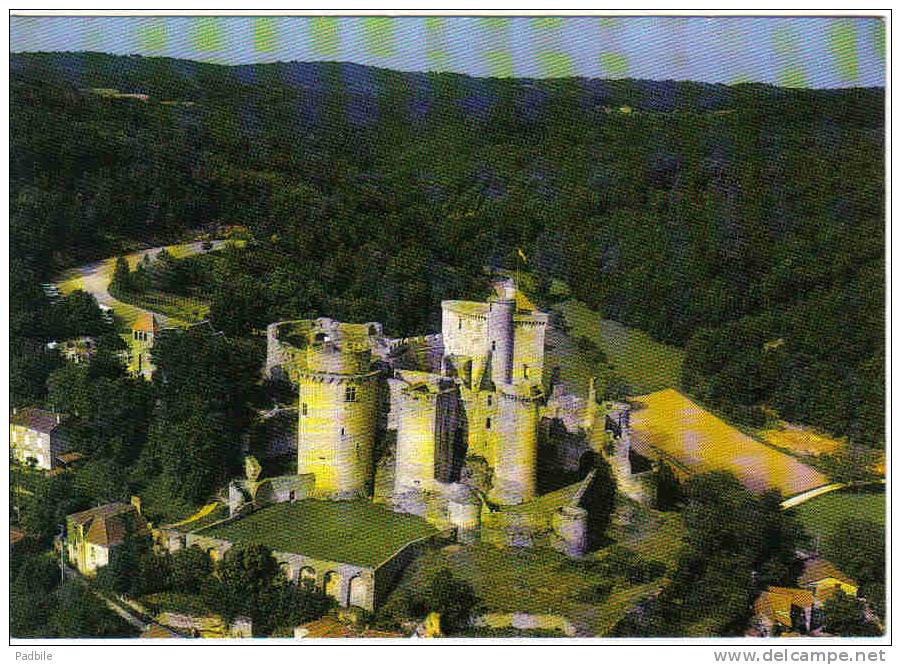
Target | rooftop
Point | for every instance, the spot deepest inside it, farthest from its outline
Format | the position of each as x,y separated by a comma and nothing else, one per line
37,419
818,569
145,321
109,524
355,532
16,535
776,603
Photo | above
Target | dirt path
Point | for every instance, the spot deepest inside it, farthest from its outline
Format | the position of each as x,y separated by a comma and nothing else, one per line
94,278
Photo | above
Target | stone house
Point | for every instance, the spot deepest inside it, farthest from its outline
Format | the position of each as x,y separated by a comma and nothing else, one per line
780,610
822,578
92,535
353,576
36,434
143,333
78,350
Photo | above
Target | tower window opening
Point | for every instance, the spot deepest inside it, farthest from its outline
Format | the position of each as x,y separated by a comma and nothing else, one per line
487,423
490,399
342,431
459,324
493,345
303,409
350,394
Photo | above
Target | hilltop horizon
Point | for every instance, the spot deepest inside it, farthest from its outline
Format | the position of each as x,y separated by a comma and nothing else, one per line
351,63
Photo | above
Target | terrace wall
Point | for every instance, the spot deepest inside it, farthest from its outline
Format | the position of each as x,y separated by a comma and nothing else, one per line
387,573
349,584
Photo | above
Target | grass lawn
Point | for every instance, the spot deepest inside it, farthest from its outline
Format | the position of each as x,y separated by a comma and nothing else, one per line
95,277
179,310
823,515
646,365
355,532
172,601
208,514
543,581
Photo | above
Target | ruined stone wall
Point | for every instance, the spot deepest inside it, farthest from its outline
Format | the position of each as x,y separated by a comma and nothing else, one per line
464,333
528,347
387,573
481,422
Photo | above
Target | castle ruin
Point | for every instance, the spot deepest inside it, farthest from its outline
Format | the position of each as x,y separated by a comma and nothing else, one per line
474,392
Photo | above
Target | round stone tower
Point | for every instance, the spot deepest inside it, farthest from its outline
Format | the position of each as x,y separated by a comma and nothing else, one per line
500,337
464,512
338,415
570,523
516,454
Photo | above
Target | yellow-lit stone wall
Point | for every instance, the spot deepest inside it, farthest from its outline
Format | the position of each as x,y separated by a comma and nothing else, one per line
528,347
516,454
481,413
336,432
415,441
464,329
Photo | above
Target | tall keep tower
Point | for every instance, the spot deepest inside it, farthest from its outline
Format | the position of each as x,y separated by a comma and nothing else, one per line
339,397
427,425
516,454
500,338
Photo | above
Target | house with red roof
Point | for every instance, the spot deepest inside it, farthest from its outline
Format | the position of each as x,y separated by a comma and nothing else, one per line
92,535
143,333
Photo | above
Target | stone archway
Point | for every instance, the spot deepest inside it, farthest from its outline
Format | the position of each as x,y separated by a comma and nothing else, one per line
307,576
331,585
288,571
358,591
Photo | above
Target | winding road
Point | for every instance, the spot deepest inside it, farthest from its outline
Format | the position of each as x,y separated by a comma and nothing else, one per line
95,278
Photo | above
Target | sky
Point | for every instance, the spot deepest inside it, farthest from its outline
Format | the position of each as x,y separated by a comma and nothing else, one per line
814,52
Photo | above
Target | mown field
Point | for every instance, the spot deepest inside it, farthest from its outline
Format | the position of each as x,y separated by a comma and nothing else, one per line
178,310
668,423
823,515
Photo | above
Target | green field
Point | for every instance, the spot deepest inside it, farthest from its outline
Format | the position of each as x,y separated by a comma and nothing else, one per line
543,581
823,515
173,601
355,532
646,365
179,310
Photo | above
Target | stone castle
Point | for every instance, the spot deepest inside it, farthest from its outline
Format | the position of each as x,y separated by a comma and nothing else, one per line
427,405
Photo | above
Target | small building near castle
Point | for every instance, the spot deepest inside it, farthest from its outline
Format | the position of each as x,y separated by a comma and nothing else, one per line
92,535
36,435
143,333
351,550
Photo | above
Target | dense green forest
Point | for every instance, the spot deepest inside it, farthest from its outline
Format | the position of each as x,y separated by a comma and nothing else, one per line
745,223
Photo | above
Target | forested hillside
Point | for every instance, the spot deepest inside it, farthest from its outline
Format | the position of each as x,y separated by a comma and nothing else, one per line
745,223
